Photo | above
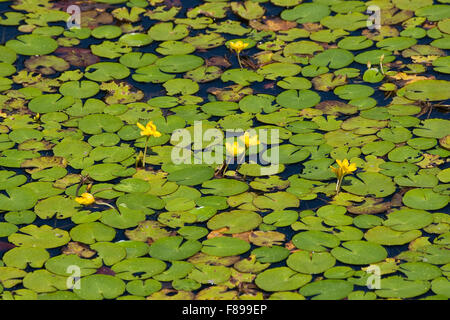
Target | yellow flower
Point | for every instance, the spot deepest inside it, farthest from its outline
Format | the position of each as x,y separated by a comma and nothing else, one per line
249,140
234,148
238,46
85,199
344,168
149,129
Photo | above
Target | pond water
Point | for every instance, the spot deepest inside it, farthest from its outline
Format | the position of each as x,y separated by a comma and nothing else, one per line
85,215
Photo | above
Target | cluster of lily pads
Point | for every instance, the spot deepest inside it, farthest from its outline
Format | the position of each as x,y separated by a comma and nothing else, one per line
88,183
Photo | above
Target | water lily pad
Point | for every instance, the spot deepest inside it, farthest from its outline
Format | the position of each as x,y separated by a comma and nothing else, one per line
31,44
223,187
314,240
371,183
327,289
386,236
39,237
99,287
425,199
281,279
310,263
225,246
179,63
359,252
398,287
174,248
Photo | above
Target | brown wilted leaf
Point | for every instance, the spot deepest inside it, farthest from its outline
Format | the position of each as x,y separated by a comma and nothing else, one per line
267,238
370,206
290,246
335,107
430,161
243,236
311,27
93,18
105,270
409,78
217,233
79,249
273,24
232,93
218,61
85,5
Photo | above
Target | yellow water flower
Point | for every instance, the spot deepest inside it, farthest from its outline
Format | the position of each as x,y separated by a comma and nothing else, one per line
234,148
249,140
85,199
238,46
149,130
344,168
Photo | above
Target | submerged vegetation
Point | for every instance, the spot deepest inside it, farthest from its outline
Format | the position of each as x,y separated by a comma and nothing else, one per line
93,204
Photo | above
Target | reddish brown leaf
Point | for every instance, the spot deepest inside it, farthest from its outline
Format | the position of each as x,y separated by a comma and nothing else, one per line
77,57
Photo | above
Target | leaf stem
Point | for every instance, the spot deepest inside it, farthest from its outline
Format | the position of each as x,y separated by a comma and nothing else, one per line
145,152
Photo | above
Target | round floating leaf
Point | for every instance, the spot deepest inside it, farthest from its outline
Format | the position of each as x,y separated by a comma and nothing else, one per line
137,59
92,232
298,99
79,89
327,289
359,252
281,279
18,199
39,237
135,39
138,268
106,71
425,199
370,183
99,287
31,44
420,270
310,263
306,12
333,58
179,63
314,240
270,254
21,257
398,287
427,90
235,221
224,187
174,248
408,219
386,236
191,176
50,103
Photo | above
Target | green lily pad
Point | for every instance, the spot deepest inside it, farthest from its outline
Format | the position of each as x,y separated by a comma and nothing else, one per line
174,248
99,287
281,279
329,289
31,44
398,287
310,263
225,246
39,237
425,199
371,183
